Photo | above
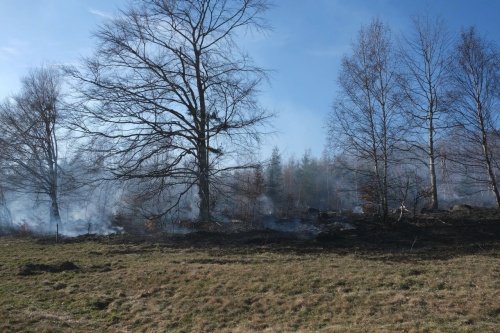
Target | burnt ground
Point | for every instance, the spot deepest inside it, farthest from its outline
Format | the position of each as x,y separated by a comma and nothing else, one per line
433,234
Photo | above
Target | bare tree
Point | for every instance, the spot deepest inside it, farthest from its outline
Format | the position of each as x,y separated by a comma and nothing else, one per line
425,60
28,137
170,89
364,121
476,80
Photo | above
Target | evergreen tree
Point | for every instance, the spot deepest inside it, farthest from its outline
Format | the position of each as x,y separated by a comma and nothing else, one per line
274,186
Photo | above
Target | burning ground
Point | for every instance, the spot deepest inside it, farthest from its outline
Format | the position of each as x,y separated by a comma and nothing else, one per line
435,274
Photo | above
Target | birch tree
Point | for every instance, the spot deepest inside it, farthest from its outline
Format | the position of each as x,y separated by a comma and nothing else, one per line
476,82
364,122
425,74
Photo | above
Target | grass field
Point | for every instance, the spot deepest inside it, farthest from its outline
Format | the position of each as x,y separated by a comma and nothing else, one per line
154,287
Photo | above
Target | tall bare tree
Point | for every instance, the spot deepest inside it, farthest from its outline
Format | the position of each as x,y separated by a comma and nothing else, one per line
364,121
476,80
425,60
171,90
28,136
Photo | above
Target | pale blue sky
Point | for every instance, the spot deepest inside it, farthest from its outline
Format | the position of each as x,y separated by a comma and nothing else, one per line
304,48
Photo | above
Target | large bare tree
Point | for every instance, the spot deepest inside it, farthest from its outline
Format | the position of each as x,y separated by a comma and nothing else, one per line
476,81
424,79
172,93
28,137
364,122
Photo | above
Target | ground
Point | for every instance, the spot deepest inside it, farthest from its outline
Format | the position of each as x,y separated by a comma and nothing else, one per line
251,283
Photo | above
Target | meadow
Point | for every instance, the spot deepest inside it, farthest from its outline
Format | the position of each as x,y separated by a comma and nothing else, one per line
105,285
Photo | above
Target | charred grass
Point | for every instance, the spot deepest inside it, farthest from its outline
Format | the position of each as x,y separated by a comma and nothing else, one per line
152,286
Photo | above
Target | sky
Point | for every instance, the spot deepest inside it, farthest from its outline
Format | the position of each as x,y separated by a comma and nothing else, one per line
302,52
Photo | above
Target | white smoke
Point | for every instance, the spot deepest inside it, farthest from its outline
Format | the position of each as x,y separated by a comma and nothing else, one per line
32,214
295,226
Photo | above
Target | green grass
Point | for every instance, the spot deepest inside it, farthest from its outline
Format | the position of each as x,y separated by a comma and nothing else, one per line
156,288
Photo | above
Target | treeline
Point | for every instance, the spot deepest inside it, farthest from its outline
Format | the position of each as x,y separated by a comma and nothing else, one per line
287,188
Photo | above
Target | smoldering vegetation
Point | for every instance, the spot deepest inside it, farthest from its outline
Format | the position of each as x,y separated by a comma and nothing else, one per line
273,203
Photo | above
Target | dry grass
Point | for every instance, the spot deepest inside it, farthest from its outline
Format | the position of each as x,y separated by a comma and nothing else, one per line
155,288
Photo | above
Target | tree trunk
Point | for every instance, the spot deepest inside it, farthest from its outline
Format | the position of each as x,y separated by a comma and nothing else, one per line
487,159
385,199
491,174
55,217
204,184
432,166
5,215
432,170
203,140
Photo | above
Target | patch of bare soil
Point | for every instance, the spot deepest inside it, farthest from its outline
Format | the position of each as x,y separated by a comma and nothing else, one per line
37,268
